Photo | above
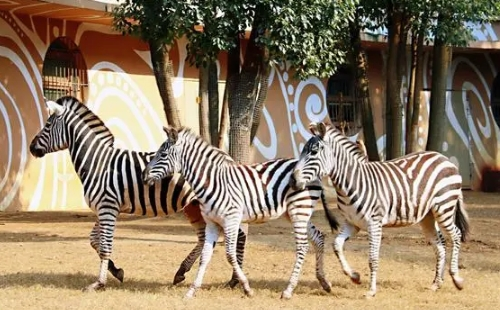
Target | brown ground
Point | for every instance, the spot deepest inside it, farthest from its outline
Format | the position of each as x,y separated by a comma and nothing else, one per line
46,259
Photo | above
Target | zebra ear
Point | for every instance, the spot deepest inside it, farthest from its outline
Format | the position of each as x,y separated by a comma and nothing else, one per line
54,108
318,129
172,134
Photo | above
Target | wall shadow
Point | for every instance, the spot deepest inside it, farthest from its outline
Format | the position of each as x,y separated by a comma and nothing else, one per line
12,237
76,281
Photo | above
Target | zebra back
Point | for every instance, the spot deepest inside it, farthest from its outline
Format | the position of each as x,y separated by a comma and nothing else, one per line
218,181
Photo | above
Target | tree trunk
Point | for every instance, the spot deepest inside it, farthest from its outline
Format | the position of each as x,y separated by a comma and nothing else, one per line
241,105
164,74
233,71
242,97
362,88
419,82
213,102
394,107
261,99
203,103
441,58
411,92
224,118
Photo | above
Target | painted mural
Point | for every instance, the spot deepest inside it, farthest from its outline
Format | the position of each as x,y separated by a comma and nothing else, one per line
122,91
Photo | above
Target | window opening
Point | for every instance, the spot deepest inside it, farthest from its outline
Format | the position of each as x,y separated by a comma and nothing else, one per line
343,107
64,71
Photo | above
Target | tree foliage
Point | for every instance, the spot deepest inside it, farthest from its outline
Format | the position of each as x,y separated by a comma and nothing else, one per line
158,20
304,34
441,22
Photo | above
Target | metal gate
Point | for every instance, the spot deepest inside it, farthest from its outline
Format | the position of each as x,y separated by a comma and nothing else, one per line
64,71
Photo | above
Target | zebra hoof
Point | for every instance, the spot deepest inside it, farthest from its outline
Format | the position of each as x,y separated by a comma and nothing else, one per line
459,282
119,275
327,286
249,293
435,286
232,283
370,294
189,294
96,286
286,295
178,279
355,277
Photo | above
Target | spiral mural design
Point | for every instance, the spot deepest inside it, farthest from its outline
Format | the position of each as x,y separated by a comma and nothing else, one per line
122,91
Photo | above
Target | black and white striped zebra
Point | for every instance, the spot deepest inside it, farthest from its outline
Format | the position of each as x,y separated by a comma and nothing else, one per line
423,187
231,193
112,182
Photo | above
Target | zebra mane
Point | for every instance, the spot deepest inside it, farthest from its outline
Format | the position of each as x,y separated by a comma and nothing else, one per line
190,135
354,149
95,124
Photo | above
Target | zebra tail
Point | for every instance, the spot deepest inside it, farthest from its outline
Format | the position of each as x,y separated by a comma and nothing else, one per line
462,219
332,220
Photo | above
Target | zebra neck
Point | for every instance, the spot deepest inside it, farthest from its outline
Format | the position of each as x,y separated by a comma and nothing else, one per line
202,167
346,172
89,154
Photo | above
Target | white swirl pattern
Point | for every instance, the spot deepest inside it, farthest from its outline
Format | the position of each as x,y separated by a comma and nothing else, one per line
109,84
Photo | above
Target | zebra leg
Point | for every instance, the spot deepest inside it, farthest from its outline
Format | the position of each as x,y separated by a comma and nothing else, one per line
375,238
456,236
435,237
240,253
211,236
193,255
118,273
300,221
317,238
346,231
231,229
193,213
107,221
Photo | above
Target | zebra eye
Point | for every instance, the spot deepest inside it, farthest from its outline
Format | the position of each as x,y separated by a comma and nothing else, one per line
314,149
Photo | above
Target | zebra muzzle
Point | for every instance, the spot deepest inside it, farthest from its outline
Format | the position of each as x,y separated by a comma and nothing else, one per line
35,151
146,178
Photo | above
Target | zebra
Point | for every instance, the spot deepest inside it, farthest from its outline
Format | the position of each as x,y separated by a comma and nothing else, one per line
111,179
231,193
423,187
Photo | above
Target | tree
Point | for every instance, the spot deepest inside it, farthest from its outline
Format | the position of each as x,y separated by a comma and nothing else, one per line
451,30
394,16
159,23
306,37
360,64
415,84
445,23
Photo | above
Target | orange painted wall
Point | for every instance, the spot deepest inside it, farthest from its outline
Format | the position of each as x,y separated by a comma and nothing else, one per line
122,91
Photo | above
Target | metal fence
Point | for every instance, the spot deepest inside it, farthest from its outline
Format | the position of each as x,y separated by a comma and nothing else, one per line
64,71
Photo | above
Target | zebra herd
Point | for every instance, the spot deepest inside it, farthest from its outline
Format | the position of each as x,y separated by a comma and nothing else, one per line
216,193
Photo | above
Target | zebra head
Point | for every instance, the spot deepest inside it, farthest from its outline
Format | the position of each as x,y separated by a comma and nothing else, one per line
53,136
313,160
166,161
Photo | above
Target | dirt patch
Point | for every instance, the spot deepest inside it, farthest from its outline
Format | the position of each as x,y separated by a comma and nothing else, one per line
47,259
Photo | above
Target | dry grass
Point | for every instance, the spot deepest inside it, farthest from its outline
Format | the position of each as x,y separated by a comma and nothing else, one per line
46,259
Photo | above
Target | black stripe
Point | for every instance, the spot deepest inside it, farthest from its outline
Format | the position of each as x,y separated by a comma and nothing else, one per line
163,194
276,185
176,195
152,199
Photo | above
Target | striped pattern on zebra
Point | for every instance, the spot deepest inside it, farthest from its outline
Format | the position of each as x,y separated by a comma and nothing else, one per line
231,193
423,187
112,183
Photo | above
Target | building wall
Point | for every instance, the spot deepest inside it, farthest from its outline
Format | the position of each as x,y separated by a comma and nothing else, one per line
472,135
122,91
